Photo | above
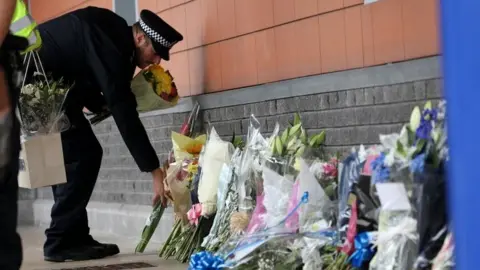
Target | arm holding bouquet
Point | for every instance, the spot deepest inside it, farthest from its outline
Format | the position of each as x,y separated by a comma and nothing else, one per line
123,107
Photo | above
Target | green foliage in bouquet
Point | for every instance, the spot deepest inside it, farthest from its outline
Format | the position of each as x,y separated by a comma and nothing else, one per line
425,135
150,227
237,142
184,240
41,106
294,140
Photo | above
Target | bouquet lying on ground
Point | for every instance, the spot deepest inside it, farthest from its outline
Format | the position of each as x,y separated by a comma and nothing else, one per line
41,106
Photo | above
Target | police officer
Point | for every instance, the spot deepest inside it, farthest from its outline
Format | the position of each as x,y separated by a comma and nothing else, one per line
98,51
10,243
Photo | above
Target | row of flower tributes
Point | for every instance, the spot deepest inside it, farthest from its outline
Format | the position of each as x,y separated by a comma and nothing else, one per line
281,202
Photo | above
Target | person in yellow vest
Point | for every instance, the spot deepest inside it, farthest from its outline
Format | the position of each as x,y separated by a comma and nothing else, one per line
23,25
10,45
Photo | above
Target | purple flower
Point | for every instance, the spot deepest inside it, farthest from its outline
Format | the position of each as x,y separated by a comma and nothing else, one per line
426,124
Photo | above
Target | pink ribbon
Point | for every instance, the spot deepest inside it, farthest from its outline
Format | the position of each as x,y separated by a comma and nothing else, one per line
194,214
292,223
257,221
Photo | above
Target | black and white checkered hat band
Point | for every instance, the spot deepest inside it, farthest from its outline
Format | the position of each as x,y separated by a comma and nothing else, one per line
155,36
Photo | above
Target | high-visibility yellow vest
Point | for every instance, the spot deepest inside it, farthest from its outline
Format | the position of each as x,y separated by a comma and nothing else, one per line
23,25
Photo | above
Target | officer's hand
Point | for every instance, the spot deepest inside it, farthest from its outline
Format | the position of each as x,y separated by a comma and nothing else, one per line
158,187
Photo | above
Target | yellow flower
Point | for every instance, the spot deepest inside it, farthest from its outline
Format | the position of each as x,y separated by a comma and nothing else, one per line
163,82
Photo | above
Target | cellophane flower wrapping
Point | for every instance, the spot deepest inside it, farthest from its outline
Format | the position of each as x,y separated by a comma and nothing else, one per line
276,190
313,218
154,89
227,203
217,153
41,106
397,237
249,170
274,244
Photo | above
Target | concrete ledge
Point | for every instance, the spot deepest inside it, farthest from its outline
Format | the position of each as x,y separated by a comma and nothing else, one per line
125,221
401,72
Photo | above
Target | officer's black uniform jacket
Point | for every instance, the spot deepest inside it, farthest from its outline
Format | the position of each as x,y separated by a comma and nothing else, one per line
95,48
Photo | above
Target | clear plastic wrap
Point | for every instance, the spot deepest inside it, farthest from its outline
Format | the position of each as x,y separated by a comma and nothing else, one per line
217,153
397,241
41,107
397,237
278,250
250,167
315,213
226,204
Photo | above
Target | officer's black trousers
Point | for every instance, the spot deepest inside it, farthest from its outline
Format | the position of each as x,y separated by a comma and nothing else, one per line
10,243
83,156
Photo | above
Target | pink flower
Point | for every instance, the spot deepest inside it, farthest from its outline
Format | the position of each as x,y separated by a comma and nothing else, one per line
194,214
330,169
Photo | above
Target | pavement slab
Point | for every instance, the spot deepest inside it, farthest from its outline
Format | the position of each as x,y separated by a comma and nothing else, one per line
33,238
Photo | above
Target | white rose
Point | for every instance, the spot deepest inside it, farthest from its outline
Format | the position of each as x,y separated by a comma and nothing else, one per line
28,89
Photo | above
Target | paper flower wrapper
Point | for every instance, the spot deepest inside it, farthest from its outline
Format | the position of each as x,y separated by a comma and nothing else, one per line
178,187
185,147
217,153
154,89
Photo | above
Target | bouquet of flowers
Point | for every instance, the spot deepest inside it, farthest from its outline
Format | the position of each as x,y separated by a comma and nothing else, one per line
41,106
154,89
158,209
272,246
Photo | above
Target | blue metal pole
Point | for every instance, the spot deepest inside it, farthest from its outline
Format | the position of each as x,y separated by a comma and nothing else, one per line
460,21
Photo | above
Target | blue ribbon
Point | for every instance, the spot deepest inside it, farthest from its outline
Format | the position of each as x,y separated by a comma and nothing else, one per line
364,251
206,261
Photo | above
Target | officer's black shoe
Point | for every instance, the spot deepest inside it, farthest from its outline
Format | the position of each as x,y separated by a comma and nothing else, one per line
77,254
108,249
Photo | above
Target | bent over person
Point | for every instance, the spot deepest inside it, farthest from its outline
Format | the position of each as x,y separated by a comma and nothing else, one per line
95,49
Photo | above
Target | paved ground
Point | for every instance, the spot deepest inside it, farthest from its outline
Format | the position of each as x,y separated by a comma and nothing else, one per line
33,255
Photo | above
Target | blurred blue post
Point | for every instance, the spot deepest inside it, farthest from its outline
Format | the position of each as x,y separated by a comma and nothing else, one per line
460,24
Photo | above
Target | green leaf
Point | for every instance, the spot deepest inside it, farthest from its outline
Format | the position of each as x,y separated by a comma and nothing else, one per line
321,138
284,136
296,119
419,148
428,105
411,135
415,118
303,136
401,149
